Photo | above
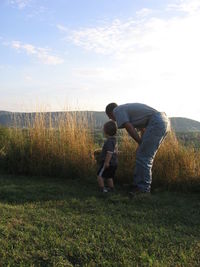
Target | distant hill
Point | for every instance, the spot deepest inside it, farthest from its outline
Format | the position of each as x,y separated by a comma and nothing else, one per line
180,124
98,118
5,118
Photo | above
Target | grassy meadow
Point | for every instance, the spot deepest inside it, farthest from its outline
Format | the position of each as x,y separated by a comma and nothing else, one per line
65,222
53,215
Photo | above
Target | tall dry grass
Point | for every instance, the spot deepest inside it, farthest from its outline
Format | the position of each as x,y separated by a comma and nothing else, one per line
43,149
64,146
177,166
174,166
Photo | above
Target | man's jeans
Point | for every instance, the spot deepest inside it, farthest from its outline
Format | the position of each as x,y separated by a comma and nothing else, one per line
155,133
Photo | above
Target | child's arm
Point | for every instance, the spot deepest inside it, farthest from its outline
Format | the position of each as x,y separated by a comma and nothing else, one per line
107,159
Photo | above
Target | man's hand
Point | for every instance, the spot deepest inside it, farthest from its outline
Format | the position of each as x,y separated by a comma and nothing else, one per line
132,132
142,131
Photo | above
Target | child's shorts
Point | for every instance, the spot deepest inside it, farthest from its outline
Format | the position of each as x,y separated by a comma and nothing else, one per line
108,172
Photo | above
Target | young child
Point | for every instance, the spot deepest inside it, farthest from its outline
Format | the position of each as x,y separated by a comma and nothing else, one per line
108,158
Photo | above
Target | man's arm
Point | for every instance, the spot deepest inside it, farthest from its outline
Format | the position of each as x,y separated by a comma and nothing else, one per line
132,132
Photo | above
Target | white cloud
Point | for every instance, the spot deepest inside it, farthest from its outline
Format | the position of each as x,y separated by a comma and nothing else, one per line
62,28
28,78
43,54
154,59
89,71
144,12
34,8
114,38
135,35
21,4
187,6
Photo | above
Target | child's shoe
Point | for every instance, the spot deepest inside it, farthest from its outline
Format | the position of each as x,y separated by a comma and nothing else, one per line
104,190
110,189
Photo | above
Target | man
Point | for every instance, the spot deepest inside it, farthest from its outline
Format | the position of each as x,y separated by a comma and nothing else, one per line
139,116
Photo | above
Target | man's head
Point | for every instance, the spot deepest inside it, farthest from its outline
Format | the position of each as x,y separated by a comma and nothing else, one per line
110,128
109,110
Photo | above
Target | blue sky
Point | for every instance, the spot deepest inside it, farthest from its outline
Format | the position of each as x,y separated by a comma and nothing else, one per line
75,54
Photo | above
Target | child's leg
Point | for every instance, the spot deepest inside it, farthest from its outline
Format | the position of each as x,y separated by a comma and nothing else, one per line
110,183
100,181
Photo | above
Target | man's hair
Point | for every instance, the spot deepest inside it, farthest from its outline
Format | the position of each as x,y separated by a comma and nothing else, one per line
110,107
110,128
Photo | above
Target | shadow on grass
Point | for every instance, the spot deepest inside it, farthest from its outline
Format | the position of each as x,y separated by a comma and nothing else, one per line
21,189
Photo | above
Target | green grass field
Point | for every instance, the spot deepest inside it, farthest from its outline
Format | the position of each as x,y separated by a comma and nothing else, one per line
56,222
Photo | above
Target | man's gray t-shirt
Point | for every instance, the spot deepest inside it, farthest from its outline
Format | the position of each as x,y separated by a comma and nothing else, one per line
135,113
110,145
